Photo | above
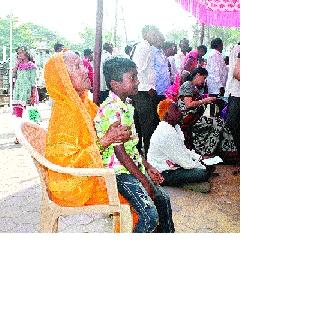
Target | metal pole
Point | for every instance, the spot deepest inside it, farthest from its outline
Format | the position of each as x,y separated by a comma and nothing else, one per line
202,33
124,25
97,52
115,25
10,64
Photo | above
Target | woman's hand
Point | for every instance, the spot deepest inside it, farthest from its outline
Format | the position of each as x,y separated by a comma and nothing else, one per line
116,134
32,99
15,68
155,175
33,96
208,100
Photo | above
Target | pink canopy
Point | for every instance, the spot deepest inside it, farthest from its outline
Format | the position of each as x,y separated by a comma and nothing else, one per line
214,12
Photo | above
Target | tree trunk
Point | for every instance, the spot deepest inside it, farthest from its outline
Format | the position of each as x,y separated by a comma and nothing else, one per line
97,52
201,34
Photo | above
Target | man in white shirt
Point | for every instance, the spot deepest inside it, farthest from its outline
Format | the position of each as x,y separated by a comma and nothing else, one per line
233,91
217,72
105,55
168,154
181,55
145,102
170,49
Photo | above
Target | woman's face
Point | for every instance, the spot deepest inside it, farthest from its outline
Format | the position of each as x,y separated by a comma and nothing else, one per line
77,72
21,55
199,79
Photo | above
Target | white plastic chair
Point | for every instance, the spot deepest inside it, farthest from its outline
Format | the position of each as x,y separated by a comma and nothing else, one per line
33,138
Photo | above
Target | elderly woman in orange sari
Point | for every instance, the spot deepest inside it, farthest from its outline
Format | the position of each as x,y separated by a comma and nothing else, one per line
71,139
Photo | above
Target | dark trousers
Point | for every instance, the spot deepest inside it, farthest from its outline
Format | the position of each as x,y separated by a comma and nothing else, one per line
233,119
183,176
220,104
103,96
146,117
151,214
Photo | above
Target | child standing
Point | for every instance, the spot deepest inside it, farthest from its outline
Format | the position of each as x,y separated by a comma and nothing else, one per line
148,199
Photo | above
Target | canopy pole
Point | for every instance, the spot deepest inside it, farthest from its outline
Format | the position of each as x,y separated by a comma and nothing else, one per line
10,64
124,25
115,26
97,52
202,34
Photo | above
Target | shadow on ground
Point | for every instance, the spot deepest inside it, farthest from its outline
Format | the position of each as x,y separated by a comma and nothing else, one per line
217,211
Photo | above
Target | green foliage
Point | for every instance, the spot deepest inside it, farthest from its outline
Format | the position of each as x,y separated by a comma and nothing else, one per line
229,36
88,37
176,35
30,35
25,34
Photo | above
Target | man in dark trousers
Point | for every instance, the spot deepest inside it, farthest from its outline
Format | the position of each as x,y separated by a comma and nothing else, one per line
146,101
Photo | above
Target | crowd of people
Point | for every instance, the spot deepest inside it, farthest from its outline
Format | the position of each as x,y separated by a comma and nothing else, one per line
149,124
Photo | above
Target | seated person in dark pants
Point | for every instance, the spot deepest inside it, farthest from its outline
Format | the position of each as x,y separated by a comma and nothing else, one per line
137,180
167,153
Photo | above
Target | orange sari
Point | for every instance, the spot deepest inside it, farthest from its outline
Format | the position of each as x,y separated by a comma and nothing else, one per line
71,140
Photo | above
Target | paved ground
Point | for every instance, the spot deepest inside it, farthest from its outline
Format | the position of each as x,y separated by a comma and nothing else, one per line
217,211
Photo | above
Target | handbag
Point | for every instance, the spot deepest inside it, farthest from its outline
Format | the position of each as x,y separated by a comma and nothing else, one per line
31,113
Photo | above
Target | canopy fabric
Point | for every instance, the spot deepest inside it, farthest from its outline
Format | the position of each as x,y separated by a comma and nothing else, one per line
224,13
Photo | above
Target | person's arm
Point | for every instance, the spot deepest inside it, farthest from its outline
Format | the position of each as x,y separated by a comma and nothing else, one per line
15,68
33,95
128,163
116,134
186,92
142,57
177,152
190,103
154,174
236,72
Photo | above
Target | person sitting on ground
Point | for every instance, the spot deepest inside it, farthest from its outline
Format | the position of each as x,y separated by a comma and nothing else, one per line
208,136
71,139
148,199
167,153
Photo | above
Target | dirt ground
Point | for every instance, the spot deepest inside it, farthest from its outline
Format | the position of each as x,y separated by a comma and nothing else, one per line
217,211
